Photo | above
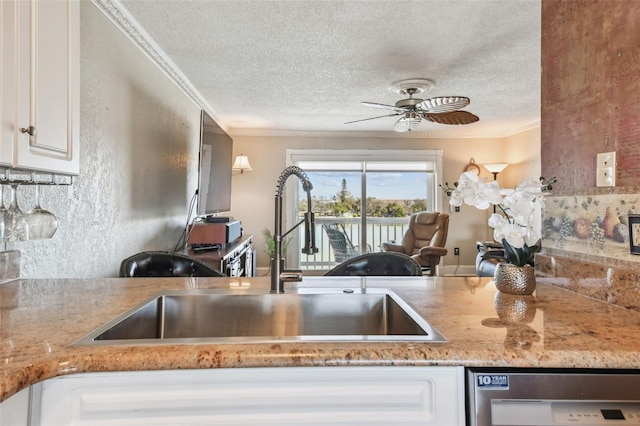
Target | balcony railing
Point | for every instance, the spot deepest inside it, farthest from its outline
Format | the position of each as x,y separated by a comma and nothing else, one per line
379,230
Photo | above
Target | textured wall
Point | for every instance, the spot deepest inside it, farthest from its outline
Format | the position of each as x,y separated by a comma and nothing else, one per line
590,83
138,163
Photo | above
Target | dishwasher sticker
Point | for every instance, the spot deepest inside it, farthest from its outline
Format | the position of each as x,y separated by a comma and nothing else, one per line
492,381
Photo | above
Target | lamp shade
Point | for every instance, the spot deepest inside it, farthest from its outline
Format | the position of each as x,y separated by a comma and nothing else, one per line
407,123
241,164
496,168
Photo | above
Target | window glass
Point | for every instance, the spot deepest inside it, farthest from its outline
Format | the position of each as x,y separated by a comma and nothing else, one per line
387,186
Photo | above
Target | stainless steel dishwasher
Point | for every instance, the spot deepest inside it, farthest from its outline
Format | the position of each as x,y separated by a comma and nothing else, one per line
536,397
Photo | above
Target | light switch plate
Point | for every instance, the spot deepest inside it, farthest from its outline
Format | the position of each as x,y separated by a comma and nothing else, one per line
606,169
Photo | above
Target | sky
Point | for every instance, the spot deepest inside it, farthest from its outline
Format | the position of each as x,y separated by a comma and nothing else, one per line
381,185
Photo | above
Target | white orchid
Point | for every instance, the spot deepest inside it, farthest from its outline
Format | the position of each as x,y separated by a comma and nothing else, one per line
475,192
513,234
497,221
519,207
514,227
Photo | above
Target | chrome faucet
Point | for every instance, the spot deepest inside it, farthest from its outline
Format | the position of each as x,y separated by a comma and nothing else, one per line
278,274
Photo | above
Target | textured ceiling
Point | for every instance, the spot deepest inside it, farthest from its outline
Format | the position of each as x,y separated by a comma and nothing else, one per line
268,67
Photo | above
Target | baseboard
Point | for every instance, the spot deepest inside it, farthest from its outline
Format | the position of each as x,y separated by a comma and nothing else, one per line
457,271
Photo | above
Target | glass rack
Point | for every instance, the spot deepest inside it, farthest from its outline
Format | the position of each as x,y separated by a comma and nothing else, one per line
25,177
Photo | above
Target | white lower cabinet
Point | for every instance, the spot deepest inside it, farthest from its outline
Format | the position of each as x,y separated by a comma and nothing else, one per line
256,396
14,411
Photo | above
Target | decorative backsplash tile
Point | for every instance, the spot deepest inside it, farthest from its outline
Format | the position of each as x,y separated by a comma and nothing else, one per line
590,224
586,247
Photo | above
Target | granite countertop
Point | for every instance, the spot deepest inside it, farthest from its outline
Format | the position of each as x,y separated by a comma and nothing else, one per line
39,319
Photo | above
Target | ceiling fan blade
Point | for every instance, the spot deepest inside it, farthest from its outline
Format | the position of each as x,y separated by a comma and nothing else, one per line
453,117
373,118
443,104
407,123
384,106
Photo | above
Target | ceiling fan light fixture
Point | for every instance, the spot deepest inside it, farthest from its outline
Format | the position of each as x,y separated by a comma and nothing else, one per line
407,123
441,109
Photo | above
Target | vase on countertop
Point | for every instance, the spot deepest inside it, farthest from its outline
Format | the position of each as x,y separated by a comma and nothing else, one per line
514,308
514,279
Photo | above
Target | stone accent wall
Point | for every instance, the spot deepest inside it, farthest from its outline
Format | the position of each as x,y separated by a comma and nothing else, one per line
590,104
590,87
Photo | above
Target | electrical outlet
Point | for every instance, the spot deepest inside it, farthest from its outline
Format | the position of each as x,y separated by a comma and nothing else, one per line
606,169
456,251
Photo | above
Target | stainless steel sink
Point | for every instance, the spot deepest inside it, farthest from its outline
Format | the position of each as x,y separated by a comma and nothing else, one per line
214,316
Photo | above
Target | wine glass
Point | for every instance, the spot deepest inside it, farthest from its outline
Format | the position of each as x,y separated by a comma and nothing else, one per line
3,210
15,224
42,223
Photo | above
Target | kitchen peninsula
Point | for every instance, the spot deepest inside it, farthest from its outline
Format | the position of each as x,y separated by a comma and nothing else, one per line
41,318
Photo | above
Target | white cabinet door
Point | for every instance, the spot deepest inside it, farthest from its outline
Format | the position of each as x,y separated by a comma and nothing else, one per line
15,410
40,85
8,79
260,396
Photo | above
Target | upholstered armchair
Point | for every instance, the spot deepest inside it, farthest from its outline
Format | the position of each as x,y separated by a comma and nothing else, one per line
424,240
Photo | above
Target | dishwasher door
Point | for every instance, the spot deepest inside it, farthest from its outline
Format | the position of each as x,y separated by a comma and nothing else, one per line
537,397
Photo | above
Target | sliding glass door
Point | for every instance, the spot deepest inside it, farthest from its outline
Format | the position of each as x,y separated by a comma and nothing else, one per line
393,194
363,198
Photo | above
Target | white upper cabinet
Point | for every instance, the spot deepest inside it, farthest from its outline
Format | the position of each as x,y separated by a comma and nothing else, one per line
8,79
40,85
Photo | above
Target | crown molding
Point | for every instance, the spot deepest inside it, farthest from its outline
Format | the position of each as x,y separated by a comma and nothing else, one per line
126,23
349,134
502,133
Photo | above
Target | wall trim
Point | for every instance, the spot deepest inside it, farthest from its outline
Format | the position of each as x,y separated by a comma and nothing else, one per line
126,23
499,134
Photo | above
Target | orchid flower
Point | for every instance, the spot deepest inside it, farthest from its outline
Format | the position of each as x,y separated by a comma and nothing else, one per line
514,227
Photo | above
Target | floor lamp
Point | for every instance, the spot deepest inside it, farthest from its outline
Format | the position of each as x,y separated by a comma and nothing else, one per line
495,169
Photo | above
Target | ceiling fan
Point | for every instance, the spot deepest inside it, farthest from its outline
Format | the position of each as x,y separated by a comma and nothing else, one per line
441,109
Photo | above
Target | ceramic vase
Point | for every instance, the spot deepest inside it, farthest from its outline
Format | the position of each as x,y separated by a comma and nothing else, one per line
513,279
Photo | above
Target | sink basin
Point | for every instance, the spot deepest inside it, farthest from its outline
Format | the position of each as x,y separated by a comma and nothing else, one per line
215,316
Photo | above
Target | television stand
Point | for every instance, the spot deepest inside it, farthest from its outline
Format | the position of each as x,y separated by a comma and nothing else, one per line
236,259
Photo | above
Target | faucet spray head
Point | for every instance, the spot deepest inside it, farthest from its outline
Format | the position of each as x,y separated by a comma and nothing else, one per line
293,170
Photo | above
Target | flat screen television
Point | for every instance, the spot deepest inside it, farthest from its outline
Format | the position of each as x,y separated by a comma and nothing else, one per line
214,168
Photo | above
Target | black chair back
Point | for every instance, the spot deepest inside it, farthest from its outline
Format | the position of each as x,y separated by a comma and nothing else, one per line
378,264
165,264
